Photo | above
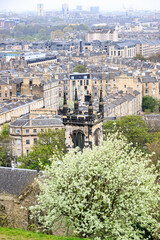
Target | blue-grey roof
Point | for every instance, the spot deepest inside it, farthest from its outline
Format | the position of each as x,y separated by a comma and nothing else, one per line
15,181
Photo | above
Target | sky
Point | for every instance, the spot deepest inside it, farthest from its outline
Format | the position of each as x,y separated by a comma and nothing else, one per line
107,5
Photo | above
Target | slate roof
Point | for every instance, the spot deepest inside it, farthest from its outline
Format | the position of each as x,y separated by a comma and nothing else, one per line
15,181
148,79
38,121
21,121
45,121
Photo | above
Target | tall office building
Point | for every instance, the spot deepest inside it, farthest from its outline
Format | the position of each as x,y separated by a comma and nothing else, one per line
65,9
94,9
79,8
40,10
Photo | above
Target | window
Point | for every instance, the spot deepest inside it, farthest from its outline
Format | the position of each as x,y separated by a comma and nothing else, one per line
0,88
27,151
19,152
74,83
146,85
10,94
0,94
124,86
10,87
72,77
81,82
27,130
85,77
153,84
146,91
42,130
27,141
34,130
78,140
5,94
11,130
85,87
18,142
17,131
5,88
87,82
35,140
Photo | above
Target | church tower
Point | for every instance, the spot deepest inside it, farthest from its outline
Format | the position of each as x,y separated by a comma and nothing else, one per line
83,129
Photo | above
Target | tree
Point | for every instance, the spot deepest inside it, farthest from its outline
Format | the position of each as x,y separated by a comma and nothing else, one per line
57,34
67,29
5,151
103,193
42,35
132,127
80,69
148,102
51,142
5,131
139,57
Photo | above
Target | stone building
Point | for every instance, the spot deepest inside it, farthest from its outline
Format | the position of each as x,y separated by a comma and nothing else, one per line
102,35
150,86
24,130
18,192
83,129
16,108
125,49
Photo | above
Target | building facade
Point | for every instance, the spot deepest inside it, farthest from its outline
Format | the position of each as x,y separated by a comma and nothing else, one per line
102,35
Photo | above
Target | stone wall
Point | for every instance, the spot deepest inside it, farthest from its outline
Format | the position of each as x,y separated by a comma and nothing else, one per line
153,122
17,208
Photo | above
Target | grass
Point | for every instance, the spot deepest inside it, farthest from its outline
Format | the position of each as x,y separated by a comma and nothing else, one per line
19,234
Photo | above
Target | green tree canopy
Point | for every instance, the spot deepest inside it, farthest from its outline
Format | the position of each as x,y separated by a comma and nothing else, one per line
139,57
80,69
67,29
5,151
132,127
107,192
57,34
148,102
51,142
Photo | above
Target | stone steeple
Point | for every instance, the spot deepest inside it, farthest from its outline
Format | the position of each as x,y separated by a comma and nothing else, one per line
76,104
65,107
90,108
101,105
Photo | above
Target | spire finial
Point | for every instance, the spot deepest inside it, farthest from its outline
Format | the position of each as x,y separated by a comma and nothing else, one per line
65,107
101,105
90,109
76,105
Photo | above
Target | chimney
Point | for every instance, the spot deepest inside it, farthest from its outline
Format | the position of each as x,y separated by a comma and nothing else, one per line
130,90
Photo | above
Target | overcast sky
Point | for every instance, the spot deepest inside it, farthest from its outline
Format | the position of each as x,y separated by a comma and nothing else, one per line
110,5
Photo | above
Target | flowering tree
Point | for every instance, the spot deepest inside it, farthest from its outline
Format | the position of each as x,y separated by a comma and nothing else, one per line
108,192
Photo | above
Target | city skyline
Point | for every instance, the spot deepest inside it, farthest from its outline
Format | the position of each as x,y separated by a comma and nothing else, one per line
115,5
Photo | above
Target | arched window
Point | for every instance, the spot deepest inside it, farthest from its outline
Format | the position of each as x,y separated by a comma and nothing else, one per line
78,139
